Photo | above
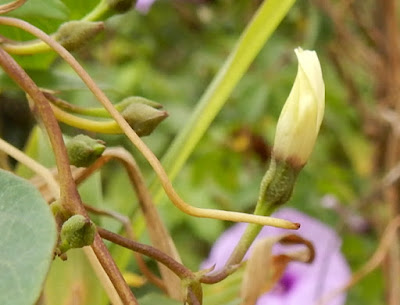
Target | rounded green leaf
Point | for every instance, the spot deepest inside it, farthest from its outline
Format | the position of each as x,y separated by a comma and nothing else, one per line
27,240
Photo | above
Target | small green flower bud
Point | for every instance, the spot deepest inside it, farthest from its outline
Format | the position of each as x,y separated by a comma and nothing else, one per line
83,150
143,118
120,6
77,232
74,34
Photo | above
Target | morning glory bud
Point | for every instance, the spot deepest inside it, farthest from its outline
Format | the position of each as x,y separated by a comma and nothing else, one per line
83,150
302,114
77,232
143,118
74,34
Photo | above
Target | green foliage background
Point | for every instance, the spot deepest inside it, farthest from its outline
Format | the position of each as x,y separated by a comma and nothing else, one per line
170,55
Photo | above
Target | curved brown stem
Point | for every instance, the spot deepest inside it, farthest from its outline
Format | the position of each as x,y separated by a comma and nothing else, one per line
8,7
179,269
159,235
129,232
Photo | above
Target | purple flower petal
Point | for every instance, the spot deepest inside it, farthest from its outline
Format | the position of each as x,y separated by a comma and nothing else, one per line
301,283
143,6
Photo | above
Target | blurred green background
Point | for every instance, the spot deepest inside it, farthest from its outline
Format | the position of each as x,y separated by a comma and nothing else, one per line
170,55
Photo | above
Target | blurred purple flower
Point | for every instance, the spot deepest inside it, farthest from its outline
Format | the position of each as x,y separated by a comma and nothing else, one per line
301,283
143,6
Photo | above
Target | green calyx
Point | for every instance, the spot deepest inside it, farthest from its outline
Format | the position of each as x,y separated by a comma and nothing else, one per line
278,183
83,150
76,232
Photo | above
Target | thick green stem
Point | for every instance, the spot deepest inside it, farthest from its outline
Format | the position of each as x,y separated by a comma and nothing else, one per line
100,12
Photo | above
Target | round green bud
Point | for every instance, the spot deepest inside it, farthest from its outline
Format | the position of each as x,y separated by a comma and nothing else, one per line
83,150
76,232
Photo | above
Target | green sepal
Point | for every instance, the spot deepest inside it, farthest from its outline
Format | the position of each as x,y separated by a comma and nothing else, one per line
278,187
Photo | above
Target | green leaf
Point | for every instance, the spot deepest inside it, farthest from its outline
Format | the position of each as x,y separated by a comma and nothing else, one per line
28,236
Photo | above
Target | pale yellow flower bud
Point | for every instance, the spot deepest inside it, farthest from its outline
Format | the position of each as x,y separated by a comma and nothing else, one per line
302,114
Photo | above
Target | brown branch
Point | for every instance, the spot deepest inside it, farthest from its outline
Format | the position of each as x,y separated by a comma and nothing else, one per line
159,235
125,221
192,298
69,195
388,92
8,7
180,270
70,198
113,272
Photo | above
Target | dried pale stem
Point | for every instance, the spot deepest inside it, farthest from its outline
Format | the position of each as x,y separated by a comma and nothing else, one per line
112,293
159,234
389,235
113,272
140,145
38,168
8,7
70,198
125,221
180,270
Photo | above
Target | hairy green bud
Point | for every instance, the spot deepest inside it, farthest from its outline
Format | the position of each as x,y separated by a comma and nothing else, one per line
143,118
74,34
282,183
83,150
77,232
